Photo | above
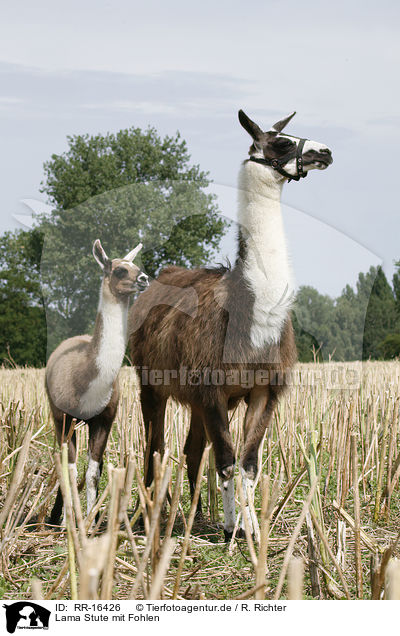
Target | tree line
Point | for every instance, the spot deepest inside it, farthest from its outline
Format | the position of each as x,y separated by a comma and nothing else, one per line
136,186
362,323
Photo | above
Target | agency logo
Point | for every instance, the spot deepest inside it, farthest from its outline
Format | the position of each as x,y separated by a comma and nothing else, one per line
26,615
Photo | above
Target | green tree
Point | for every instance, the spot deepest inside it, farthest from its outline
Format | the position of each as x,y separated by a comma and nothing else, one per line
100,163
335,327
390,347
124,188
308,347
380,319
350,310
314,323
22,316
396,287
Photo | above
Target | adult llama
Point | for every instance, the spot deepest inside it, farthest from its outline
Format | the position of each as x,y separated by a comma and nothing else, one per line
236,341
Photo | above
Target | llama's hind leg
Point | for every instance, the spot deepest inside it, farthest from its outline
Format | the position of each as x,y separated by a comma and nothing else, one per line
194,447
153,409
58,508
99,430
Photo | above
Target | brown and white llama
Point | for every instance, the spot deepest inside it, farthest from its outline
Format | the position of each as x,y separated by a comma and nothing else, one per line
236,341
82,373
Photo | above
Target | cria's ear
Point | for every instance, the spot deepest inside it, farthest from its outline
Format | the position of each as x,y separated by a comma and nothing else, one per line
280,125
133,253
250,126
100,256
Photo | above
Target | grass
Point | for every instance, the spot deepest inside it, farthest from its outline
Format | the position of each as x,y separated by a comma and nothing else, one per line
337,423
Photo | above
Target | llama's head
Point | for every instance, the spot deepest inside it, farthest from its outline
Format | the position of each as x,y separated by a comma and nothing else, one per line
121,275
289,157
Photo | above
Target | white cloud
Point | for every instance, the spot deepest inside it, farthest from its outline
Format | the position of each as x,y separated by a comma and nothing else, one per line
152,108
10,100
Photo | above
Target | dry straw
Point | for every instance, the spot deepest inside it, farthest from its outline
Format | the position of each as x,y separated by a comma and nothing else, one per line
326,498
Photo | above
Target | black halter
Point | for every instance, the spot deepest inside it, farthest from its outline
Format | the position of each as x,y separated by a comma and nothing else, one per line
278,163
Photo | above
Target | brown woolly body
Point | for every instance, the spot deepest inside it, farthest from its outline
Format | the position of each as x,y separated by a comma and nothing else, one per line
220,298
207,325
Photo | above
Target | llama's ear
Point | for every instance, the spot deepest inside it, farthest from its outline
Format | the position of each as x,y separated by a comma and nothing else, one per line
280,125
250,126
133,253
100,255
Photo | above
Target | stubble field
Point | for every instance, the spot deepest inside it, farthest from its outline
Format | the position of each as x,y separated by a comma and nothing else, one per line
326,499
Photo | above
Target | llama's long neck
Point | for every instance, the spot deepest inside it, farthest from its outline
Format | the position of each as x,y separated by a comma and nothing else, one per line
263,250
110,335
108,349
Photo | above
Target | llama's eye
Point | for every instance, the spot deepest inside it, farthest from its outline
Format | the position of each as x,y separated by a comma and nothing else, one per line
283,144
120,272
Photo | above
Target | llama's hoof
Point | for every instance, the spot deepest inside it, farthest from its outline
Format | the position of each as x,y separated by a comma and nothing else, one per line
32,525
55,524
227,473
249,470
240,534
139,524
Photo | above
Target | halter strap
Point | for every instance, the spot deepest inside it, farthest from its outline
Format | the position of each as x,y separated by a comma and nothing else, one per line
278,163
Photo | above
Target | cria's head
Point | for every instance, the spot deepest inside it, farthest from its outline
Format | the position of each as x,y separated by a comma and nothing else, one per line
121,274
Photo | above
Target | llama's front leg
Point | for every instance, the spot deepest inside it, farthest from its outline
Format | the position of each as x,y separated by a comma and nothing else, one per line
73,474
228,502
99,429
93,474
59,507
258,415
217,427
194,447
248,492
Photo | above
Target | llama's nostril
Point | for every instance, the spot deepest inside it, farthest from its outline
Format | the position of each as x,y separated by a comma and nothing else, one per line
327,151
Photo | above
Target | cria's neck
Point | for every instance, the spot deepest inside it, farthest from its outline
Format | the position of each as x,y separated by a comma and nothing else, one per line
110,336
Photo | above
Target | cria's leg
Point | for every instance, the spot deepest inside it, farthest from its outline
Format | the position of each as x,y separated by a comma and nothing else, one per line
93,474
72,466
99,430
57,511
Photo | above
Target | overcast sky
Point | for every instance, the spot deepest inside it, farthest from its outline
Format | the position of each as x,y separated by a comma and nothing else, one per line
95,66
